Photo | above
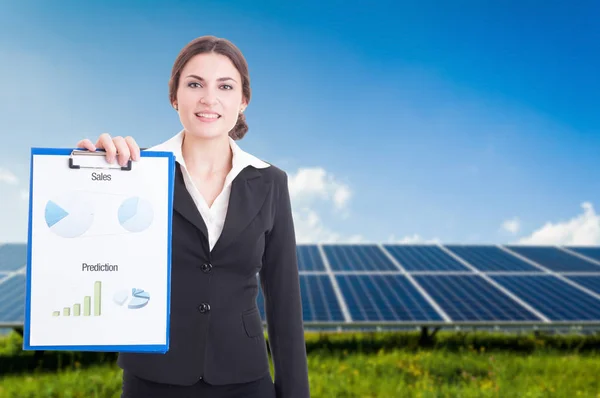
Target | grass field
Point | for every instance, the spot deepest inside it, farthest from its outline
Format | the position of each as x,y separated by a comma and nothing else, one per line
457,364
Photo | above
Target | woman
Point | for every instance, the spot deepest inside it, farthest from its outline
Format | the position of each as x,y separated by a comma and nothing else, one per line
232,219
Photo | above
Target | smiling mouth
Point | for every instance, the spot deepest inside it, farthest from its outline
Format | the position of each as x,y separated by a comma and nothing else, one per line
207,115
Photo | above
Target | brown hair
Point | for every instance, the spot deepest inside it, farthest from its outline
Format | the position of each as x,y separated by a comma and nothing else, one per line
206,44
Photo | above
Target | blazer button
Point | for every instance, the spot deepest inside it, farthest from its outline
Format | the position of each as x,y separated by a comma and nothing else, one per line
204,307
206,267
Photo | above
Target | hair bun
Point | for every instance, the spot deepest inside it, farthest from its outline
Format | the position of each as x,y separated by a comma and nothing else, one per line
240,129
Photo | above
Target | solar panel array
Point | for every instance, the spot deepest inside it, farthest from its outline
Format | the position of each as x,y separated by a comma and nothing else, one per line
428,284
419,284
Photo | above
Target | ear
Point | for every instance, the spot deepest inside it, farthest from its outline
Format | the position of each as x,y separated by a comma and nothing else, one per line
174,104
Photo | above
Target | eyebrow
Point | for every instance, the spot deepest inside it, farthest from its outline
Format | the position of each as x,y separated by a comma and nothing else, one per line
220,79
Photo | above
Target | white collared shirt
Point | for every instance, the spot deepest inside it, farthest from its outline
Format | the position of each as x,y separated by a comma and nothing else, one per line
214,216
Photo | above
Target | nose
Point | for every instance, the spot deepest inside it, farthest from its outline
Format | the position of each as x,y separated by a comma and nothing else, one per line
208,97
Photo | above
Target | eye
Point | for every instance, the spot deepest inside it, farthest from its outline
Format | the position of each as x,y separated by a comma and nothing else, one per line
227,85
193,84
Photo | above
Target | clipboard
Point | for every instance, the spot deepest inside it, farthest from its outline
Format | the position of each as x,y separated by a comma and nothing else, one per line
98,252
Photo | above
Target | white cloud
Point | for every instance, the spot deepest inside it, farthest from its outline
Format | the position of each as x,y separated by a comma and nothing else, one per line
310,228
308,187
309,184
341,196
6,176
413,239
583,229
513,225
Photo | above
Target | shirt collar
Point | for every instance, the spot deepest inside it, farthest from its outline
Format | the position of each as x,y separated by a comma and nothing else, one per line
240,160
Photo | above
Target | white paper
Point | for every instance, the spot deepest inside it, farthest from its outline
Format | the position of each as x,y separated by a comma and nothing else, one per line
99,234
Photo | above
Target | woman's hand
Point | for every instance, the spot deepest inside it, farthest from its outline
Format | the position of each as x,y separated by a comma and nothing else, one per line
118,148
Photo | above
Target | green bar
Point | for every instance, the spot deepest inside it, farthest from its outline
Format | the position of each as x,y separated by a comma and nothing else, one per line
56,313
97,297
87,301
66,311
76,309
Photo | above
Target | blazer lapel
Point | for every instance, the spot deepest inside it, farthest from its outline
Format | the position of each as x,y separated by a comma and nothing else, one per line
184,204
248,193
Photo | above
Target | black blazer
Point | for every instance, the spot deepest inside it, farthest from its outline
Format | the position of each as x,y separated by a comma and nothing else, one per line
216,332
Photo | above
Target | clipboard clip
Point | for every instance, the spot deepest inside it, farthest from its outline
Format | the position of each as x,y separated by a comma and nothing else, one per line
83,154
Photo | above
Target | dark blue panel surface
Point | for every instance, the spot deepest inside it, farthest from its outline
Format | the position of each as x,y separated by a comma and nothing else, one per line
591,282
12,299
384,298
555,259
491,258
424,258
319,303
592,252
554,298
309,258
13,256
357,258
472,298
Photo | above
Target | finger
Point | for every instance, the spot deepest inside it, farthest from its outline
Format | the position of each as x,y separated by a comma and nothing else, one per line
87,144
122,150
134,148
105,142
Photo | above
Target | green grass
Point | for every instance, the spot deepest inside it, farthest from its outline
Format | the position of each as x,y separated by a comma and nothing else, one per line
370,365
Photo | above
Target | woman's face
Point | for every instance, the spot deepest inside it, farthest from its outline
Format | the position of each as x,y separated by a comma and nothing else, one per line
209,96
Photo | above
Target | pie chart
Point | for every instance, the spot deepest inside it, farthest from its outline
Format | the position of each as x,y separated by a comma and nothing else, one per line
135,214
68,216
139,298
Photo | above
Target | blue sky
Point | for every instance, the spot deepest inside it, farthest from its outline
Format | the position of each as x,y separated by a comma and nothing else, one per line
462,123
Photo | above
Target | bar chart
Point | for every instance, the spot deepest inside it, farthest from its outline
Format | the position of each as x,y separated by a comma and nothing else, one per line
87,304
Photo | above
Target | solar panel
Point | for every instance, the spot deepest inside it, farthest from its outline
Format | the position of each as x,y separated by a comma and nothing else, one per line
13,256
362,257
424,258
491,258
397,284
588,251
319,303
556,299
472,298
309,258
591,282
385,298
12,300
555,259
